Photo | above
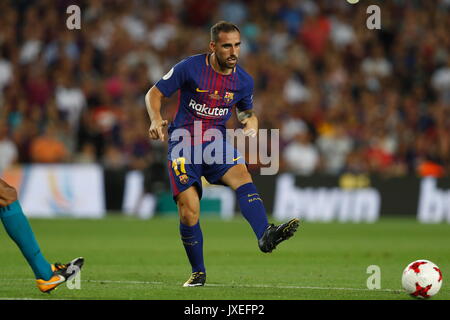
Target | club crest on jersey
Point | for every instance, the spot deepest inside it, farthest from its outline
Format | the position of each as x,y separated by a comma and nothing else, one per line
215,95
184,179
229,96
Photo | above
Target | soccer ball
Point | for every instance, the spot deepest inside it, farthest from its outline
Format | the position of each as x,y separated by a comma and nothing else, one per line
422,279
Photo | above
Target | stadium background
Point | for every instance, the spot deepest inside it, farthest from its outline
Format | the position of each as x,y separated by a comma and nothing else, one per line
347,99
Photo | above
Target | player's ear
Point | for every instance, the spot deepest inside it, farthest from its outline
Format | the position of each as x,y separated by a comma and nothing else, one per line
212,46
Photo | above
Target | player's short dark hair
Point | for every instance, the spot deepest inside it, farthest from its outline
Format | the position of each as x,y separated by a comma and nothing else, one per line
222,26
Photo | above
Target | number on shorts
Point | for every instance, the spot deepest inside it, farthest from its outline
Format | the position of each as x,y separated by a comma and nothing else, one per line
179,162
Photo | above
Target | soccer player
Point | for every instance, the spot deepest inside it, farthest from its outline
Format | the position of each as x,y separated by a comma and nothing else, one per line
209,86
48,276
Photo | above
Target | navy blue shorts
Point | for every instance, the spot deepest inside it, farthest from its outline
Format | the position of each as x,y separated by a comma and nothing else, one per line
187,166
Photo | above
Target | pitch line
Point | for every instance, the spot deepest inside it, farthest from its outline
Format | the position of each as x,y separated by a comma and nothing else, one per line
293,287
7,298
268,286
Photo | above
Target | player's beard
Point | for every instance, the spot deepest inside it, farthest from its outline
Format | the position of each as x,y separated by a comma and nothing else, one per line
225,64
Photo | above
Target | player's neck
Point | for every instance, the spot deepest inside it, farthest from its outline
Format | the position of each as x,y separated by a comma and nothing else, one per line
216,67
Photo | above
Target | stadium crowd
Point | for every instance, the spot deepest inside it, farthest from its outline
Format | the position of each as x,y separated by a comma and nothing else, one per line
345,98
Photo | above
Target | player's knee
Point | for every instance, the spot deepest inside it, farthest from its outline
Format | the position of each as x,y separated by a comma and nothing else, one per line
237,176
188,212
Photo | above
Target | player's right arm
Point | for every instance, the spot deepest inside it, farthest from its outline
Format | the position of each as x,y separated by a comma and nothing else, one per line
153,100
165,87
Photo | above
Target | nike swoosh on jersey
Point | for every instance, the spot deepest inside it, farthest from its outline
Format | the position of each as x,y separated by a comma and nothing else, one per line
200,90
237,158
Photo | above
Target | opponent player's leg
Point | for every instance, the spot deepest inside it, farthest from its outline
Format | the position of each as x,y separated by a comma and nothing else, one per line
253,210
19,230
188,203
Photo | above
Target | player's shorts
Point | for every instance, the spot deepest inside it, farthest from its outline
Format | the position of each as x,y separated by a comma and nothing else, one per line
187,165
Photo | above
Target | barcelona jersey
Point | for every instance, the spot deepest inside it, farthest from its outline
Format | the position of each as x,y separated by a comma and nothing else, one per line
206,100
204,94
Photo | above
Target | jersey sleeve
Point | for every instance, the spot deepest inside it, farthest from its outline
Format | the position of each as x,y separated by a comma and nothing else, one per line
174,79
246,103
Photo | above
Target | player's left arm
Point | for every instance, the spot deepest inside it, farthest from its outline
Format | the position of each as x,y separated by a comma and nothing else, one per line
249,120
245,114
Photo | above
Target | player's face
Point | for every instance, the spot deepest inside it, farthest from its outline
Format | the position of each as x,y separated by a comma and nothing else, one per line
227,49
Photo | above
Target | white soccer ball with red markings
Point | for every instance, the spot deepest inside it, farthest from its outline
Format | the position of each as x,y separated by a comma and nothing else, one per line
422,279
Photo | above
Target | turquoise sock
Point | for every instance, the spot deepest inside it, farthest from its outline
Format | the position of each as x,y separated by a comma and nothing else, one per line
18,228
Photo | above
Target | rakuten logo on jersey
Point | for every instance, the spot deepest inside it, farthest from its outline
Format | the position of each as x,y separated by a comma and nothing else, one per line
203,110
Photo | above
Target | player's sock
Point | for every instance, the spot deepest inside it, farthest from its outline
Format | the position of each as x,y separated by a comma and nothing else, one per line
18,228
192,239
252,208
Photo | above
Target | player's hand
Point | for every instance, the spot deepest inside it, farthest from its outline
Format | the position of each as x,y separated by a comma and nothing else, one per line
8,194
250,126
156,129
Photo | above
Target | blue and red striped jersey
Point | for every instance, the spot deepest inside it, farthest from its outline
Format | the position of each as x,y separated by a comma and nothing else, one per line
205,94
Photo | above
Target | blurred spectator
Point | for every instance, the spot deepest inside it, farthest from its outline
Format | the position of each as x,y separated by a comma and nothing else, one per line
355,162
8,150
373,101
291,127
48,147
234,11
295,91
113,158
70,100
301,155
342,32
89,133
429,168
376,65
315,33
87,154
38,88
334,148
6,72
440,81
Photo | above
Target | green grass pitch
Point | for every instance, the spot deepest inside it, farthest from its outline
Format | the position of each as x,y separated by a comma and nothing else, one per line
133,259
